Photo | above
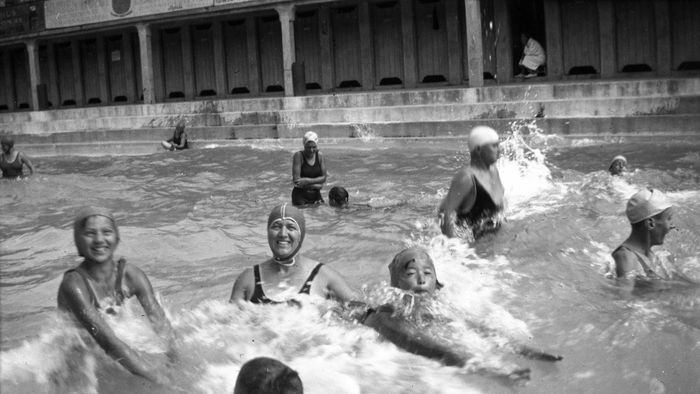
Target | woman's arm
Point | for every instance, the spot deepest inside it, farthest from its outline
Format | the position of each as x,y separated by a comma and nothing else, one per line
183,141
243,286
75,295
25,160
144,292
462,189
337,286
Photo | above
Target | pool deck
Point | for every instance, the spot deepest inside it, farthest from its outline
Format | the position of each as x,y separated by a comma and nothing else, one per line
608,110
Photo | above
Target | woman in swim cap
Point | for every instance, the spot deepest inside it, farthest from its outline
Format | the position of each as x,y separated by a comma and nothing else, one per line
100,285
618,165
412,269
308,172
287,273
13,161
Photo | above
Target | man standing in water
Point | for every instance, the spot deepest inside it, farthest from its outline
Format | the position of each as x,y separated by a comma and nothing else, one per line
475,198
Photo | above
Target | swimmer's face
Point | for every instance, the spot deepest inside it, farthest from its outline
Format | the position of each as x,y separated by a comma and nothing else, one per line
283,236
418,276
6,148
98,239
310,148
663,223
489,152
618,167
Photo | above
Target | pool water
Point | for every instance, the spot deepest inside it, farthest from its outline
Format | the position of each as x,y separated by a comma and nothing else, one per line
193,220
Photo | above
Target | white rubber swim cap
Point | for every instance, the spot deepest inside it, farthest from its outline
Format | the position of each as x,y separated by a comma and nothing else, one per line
481,135
645,204
310,136
618,158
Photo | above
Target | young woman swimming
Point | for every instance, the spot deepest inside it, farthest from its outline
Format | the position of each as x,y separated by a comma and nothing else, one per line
101,284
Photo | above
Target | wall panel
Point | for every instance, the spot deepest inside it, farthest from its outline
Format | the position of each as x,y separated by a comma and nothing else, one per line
308,47
20,69
236,53
204,64
685,34
580,36
64,65
91,75
270,49
387,43
346,47
116,69
635,37
173,74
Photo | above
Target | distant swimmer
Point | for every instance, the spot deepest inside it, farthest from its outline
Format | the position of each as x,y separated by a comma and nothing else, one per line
12,161
650,214
179,139
475,199
413,270
338,197
264,375
618,165
100,285
308,172
288,274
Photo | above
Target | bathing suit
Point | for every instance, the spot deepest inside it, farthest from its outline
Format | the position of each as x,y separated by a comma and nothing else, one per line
649,273
110,302
484,216
259,296
11,170
176,141
302,196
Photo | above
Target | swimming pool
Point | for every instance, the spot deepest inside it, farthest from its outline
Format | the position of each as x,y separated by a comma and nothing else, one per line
193,220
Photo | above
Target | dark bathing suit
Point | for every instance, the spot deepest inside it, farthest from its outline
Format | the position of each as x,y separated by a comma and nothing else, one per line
482,218
176,141
308,196
259,296
11,170
119,293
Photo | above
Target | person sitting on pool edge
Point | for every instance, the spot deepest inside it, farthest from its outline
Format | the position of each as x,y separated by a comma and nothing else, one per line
476,196
179,139
308,172
413,270
12,161
618,165
264,375
287,274
651,216
100,285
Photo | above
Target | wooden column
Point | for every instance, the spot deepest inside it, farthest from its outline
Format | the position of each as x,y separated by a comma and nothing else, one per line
7,72
327,76
475,47
366,46
606,16
552,21
53,76
219,59
253,62
187,62
127,56
34,70
77,73
409,44
504,42
454,49
146,56
663,37
105,94
286,16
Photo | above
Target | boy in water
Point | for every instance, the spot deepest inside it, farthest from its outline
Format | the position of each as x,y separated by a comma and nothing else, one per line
263,375
618,165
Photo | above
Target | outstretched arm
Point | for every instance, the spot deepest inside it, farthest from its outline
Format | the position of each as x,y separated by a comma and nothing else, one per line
461,195
75,294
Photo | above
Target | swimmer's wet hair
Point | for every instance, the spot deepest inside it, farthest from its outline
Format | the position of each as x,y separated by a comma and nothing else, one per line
264,375
338,196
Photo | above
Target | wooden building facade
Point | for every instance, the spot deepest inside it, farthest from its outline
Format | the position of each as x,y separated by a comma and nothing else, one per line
297,48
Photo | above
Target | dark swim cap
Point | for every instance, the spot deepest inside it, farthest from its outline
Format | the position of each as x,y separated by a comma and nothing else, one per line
264,375
401,260
338,195
83,214
5,140
288,212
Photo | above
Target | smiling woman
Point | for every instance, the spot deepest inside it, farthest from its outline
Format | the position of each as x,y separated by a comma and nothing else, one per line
287,273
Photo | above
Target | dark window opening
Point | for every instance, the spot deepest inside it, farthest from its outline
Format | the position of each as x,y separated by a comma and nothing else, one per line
207,92
176,95
582,70
488,75
433,79
306,14
68,102
94,100
313,86
172,30
390,81
3,107
120,99
345,10
636,68
269,18
274,88
693,65
205,26
141,97
237,22
23,106
350,84
240,90
386,4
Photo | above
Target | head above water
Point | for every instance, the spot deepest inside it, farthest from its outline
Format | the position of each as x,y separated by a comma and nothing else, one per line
412,269
286,228
338,197
310,136
265,375
180,126
81,219
7,142
617,165
480,136
650,214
